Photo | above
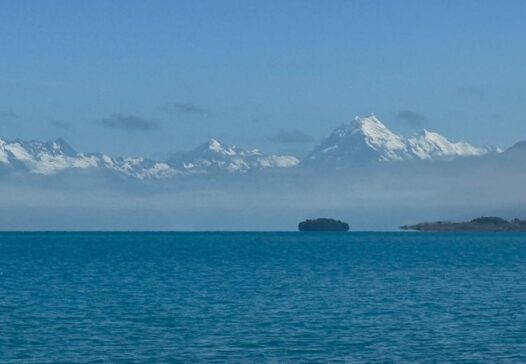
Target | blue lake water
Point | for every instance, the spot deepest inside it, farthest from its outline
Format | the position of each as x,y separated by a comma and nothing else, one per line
262,297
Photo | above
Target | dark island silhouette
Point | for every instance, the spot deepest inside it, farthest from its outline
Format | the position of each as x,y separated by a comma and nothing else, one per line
480,224
323,224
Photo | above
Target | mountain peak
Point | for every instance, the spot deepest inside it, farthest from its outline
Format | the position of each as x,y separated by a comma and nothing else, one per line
380,138
215,156
370,120
367,125
215,145
368,139
426,132
431,136
518,146
52,157
61,145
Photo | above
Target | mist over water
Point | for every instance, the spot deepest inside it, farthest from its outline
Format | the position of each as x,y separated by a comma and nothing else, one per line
378,197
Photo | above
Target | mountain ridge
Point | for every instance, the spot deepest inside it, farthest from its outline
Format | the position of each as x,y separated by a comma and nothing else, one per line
369,140
363,141
48,158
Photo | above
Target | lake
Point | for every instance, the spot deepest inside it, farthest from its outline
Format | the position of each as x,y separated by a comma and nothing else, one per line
262,297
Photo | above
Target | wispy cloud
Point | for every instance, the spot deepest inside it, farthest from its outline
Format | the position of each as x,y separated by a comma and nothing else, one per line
186,108
8,115
290,137
130,123
473,91
410,117
59,124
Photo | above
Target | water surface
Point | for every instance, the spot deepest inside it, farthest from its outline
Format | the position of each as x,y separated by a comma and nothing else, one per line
262,297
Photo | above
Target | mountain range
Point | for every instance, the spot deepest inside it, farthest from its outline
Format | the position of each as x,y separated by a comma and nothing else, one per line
366,140
363,141
49,158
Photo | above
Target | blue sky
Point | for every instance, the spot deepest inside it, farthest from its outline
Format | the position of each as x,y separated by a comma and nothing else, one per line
154,77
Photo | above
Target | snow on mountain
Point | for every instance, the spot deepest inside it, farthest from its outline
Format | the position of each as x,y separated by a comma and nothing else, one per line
367,140
48,158
139,168
364,140
431,145
215,156
43,157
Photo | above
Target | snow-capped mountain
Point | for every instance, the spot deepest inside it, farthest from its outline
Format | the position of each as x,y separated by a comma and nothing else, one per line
214,156
362,141
48,158
42,157
366,140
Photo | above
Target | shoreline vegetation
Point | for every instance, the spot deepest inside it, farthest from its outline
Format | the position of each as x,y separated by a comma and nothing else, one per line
323,224
480,224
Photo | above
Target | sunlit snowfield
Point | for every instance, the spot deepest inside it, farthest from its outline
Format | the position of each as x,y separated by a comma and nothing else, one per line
255,297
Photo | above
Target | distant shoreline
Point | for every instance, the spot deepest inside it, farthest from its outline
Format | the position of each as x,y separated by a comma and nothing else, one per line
480,224
401,230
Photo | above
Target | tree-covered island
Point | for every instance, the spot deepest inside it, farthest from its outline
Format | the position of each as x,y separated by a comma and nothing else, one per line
323,224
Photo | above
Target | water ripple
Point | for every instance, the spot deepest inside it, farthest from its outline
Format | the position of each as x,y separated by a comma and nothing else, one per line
262,297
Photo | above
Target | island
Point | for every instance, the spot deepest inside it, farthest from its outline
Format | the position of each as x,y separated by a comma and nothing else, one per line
480,224
323,224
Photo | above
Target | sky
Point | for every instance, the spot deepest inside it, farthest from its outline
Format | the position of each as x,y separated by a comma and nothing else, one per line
155,77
